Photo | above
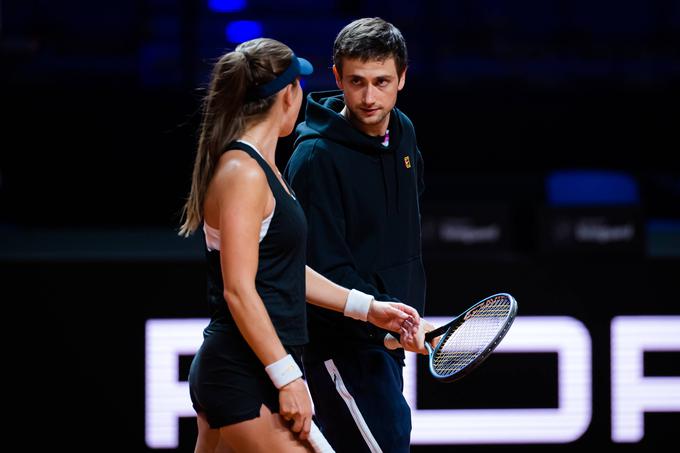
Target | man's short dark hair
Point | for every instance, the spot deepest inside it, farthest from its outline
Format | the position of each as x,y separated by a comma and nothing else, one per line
370,39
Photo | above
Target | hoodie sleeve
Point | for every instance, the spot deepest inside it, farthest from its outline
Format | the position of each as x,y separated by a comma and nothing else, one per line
313,176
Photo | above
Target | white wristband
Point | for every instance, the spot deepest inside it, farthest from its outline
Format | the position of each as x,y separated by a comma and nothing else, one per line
283,371
357,305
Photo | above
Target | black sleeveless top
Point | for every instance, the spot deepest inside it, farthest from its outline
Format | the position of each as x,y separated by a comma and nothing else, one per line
280,278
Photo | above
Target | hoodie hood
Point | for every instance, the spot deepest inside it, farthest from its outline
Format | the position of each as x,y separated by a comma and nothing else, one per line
322,118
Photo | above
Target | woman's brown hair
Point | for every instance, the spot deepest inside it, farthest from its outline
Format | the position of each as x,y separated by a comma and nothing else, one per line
228,109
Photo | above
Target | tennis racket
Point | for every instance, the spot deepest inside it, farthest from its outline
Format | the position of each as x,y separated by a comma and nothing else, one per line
318,442
469,338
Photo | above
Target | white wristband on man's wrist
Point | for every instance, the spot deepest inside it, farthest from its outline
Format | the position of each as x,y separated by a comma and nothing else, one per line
283,371
357,305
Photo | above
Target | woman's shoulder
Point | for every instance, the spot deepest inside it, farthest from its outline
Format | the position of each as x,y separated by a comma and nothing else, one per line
236,163
237,168
237,180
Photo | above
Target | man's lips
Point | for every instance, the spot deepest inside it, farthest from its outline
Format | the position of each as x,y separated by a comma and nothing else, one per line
369,111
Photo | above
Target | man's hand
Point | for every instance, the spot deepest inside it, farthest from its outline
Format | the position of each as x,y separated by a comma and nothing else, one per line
413,337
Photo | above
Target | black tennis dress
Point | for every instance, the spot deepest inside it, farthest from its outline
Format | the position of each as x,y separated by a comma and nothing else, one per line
227,381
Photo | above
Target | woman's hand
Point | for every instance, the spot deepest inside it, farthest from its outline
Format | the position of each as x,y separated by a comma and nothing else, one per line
392,315
295,406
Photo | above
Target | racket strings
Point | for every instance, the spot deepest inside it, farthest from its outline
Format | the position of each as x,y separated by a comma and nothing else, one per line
462,345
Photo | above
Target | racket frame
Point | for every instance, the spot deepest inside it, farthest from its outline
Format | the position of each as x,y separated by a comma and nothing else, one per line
451,326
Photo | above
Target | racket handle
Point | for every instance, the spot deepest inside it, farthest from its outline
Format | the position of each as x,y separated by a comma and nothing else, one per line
318,441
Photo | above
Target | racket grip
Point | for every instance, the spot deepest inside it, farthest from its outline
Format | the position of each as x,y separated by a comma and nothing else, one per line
318,442
391,342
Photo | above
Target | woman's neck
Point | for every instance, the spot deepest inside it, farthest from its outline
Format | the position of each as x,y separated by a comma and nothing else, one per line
260,136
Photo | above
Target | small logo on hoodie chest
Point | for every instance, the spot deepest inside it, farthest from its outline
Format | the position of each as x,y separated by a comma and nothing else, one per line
407,162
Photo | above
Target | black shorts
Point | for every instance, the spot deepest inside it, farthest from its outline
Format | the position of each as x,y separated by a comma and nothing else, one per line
227,381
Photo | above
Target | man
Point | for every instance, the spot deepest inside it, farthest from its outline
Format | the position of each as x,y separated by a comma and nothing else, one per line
358,174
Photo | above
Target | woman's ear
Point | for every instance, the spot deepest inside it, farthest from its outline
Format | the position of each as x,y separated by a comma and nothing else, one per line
287,97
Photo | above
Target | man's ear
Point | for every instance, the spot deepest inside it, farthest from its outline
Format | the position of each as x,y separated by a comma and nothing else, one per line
402,79
338,77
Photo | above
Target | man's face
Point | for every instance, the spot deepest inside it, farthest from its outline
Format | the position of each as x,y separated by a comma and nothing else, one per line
370,90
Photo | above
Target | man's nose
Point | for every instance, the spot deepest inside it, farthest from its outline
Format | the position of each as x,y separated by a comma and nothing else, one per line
369,95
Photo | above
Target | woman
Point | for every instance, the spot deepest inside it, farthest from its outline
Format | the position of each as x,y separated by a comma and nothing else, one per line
245,380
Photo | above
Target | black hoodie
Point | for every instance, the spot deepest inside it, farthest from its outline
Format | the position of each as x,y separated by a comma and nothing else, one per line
361,200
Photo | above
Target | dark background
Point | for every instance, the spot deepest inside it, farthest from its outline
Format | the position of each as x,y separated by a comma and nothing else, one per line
99,110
